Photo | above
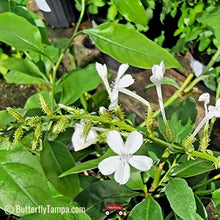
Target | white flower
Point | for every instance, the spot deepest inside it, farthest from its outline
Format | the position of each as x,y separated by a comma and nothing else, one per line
196,66
158,73
213,112
205,97
119,84
42,5
78,141
103,73
120,164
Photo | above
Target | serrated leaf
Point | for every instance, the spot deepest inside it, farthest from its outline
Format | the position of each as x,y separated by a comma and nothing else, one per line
132,10
181,198
55,159
22,180
129,46
95,197
19,33
148,209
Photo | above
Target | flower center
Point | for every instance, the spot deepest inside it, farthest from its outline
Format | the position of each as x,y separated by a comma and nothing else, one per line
125,157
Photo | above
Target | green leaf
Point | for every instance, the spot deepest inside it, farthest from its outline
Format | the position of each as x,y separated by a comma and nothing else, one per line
58,210
132,10
181,118
55,159
201,208
77,82
27,14
103,193
164,81
22,180
88,165
211,17
24,66
188,168
129,46
181,198
19,33
34,100
148,209
22,78
216,200
135,182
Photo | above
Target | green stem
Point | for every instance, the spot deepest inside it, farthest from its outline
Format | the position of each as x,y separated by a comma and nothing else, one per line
204,75
194,82
157,177
205,192
213,60
206,182
55,67
204,156
177,94
9,5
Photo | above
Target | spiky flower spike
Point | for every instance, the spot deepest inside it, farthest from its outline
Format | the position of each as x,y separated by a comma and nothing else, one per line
18,134
34,121
61,125
37,135
44,105
150,121
16,115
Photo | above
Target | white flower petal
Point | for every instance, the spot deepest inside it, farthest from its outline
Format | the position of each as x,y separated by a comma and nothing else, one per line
78,141
122,174
133,142
158,73
121,70
125,81
205,97
102,70
42,5
115,141
114,99
217,104
196,66
162,66
142,163
109,165
91,135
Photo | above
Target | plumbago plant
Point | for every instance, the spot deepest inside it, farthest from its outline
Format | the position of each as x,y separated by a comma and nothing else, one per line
159,169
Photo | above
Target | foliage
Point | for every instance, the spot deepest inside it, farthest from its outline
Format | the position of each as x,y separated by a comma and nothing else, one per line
38,170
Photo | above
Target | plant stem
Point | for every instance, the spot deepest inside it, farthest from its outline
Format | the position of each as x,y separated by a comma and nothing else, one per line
213,60
204,156
204,75
55,67
177,94
206,182
157,177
